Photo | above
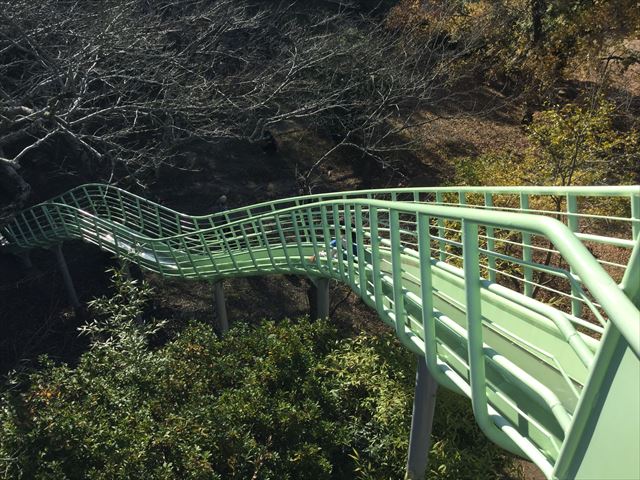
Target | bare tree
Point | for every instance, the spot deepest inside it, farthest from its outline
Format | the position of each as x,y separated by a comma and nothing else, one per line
114,88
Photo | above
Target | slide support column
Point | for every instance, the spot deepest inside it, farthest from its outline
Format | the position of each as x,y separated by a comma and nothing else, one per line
66,277
424,404
322,297
25,259
221,307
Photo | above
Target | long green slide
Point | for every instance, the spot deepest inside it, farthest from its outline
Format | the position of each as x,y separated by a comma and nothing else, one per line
524,299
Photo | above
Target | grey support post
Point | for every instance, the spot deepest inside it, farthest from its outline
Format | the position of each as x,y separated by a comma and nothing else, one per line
221,306
25,259
321,286
424,404
66,277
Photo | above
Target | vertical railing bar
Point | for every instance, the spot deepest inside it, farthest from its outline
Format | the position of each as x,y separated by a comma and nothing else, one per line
62,219
122,209
375,259
441,232
89,199
573,222
527,255
159,220
27,224
77,220
97,230
257,233
348,231
266,243
227,247
246,239
173,255
282,239
426,289
327,237
305,230
208,250
155,255
104,194
218,232
314,237
475,347
635,216
338,239
293,214
52,223
491,243
116,245
37,222
178,224
17,224
362,274
187,251
396,268
75,201
140,215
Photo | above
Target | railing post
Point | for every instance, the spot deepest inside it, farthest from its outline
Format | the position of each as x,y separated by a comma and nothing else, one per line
66,277
360,257
396,274
221,307
635,216
526,250
375,259
491,243
606,395
475,346
474,318
424,404
573,223
442,246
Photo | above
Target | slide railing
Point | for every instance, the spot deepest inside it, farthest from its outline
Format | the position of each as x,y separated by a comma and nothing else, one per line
511,294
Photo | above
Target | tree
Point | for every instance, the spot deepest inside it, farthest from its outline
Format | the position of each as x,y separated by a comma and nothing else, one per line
112,89
538,8
569,145
533,46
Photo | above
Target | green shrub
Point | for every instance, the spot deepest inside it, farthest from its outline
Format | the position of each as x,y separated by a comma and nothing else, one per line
281,400
569,145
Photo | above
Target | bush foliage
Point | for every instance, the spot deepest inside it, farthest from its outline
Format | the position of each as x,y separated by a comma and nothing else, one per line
568,145
281,400
533,45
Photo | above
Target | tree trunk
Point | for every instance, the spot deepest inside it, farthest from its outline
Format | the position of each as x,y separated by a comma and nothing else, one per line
538,8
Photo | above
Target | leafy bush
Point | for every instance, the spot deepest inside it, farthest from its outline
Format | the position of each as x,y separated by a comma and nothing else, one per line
533,45
569,145
281,400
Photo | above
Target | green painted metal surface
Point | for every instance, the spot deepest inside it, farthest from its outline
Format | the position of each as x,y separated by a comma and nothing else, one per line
510,294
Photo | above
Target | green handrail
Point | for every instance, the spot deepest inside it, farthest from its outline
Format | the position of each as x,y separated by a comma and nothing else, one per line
460,273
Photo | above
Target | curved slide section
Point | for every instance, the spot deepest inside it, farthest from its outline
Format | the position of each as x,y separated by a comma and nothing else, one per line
456,272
